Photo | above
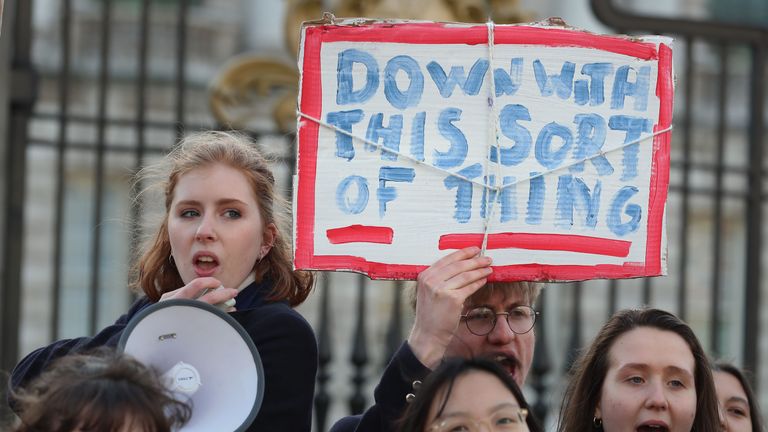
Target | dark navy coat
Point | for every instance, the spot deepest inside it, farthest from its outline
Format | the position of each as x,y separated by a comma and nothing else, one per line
285,341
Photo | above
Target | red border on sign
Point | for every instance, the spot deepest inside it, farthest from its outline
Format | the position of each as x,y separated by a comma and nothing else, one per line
437,33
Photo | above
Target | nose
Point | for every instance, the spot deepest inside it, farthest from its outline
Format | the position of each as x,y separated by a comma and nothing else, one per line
205,230
657,397
501,333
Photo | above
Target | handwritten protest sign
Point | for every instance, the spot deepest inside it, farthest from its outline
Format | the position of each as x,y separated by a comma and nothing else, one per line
546,146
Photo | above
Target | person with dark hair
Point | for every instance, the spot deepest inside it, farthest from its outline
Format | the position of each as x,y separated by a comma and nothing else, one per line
464,394
737,400
100,391
219,242
458,314
645,371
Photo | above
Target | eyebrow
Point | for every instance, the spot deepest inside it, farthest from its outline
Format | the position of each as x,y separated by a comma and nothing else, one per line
490,410
489,306
738,399
671,368
219,202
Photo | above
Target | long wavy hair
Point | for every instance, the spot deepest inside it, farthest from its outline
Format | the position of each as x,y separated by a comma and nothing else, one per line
588,374
416,415
156,274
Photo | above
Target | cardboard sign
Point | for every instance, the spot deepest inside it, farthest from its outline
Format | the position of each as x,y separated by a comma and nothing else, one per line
546,146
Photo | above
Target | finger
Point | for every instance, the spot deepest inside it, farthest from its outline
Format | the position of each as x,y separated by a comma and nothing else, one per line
459,255
467,290
467,277
219,295
469,265
199,287
169,294
192,290
453,274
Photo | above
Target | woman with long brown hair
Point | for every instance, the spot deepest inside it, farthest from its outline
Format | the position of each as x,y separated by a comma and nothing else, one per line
645,371
220,242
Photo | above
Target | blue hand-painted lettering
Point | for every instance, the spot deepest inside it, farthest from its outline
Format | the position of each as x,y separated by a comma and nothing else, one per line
536,194
412,95
345,92
572,193
469,84
506,197
638,89
458,149
590,138
509,127
562,84
508,83
634,126
352,205
344,121
544,154
391,134
634,212
386,193
463,191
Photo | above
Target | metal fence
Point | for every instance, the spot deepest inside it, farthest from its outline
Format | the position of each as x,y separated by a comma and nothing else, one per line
715,211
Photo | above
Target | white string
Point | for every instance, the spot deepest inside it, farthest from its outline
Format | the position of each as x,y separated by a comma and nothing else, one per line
459,176
490,195
495,191
601,153
388,150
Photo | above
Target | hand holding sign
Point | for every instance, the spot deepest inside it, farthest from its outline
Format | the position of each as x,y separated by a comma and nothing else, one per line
548,147
440,295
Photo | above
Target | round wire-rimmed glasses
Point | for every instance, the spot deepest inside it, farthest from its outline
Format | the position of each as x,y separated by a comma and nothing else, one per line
481,320
506,420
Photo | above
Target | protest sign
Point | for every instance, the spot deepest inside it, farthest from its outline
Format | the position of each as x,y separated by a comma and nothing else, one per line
544,145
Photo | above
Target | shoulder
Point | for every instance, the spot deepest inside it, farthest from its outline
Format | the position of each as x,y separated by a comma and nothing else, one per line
278,325
345,424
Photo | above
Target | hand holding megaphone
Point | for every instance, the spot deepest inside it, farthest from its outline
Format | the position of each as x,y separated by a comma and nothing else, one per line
208,290
204,356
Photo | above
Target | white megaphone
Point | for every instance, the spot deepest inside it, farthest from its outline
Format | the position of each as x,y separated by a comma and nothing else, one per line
206,359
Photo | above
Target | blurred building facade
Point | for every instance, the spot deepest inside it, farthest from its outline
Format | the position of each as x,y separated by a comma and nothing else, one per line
119,81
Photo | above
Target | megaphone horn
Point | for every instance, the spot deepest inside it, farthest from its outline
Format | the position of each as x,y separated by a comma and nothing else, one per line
204,357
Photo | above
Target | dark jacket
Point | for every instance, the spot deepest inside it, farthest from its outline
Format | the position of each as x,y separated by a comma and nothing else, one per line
284,339
389,396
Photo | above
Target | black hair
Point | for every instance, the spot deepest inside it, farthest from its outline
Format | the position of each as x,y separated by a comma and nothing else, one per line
415,417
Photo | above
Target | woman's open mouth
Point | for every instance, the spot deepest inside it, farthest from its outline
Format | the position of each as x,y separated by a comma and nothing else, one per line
205,264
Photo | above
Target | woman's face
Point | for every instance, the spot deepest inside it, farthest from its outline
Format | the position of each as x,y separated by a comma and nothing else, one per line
477,397
733,402
215,226
650,383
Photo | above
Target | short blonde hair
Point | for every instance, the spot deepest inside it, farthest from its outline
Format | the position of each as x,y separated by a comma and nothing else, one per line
530,290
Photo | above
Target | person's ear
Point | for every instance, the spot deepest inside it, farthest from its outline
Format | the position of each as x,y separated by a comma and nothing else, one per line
268,239
598,417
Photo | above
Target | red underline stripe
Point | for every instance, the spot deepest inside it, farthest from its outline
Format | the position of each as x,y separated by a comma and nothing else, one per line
554,242
360,234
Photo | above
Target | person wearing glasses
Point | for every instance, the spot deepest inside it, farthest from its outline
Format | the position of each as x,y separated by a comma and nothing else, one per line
470,395
458,314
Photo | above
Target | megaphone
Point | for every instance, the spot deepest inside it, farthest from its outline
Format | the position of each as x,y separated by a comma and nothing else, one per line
206,359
